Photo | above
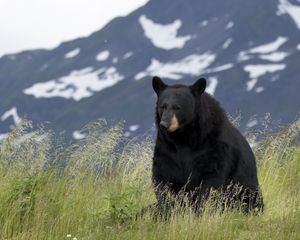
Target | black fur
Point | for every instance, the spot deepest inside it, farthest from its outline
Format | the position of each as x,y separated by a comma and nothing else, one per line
206,152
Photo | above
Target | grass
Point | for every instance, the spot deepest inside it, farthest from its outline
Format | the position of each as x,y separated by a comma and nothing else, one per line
92,191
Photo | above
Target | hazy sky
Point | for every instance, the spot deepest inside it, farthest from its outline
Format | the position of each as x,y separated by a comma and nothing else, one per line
29,24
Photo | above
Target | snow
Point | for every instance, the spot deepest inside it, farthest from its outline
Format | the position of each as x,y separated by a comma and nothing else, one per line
77,135
251,84
3,136
243,56
227,43
72,53
163,36
219,68
259,89
77,85
275,78
274,57
127,55
229,25
211,88
115,60
127,134
102,56
12,113
265,48
285,7
204,23
298,46
257,71
133,128
267,51
252,144
252,123
194,65
269,47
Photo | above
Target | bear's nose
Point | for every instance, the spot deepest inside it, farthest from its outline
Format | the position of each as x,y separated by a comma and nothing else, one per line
164,124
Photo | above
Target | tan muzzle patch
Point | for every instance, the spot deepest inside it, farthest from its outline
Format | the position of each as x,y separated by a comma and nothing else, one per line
174,124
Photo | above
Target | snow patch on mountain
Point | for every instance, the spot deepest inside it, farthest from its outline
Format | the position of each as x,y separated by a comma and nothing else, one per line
127,134
204,23
163,36
227,43
102,56
12,113
211,88
77,135
3,136
285,7
115,60
252,123
298,46
194,65
72,53
243,56
77,85
219,68
265,49
275,78
269,47
274,57
127,55
259,89
251,84
133,128
229,25
256,71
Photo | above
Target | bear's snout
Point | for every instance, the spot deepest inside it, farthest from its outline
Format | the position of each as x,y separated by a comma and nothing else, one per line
171,125
164,124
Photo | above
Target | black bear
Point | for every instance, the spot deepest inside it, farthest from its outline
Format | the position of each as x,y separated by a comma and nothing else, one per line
198,150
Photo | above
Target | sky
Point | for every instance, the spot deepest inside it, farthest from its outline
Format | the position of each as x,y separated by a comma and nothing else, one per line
31,24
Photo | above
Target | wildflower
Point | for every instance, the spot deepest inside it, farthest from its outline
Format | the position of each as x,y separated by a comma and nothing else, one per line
69,235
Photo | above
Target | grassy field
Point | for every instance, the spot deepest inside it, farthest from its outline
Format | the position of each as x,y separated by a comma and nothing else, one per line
92,191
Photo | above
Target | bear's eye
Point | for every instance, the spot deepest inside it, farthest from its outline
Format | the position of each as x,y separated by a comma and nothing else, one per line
176,107
163,107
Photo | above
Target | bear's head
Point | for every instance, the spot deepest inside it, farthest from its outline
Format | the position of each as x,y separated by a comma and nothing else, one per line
176,104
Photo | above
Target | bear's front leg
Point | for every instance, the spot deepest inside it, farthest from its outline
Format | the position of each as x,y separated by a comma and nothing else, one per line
165,200
201,194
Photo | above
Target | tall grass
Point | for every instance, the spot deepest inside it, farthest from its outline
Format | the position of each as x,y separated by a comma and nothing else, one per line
94,190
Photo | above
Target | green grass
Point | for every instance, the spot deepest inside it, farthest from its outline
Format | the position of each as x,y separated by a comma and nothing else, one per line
92,191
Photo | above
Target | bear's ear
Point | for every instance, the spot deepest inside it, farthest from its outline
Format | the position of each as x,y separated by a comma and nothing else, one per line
198,87
158,85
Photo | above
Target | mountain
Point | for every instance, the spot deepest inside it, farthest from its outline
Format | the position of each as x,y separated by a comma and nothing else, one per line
248,50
